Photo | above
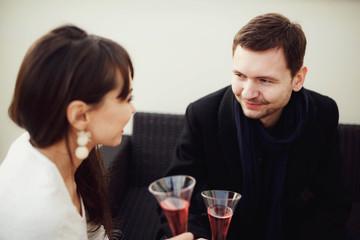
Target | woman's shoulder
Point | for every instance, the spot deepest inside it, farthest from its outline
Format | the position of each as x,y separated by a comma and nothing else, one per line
27,175
41,215
34,198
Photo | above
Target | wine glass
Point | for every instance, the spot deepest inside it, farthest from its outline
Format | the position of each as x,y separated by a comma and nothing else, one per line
173,194
220,207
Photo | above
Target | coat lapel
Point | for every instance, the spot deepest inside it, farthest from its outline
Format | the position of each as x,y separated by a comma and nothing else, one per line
228,139
300,158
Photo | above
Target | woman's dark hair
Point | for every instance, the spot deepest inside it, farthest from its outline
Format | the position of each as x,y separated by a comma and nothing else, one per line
274,30
64,65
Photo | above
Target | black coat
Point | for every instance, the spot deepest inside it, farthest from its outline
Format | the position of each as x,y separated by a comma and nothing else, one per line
315,205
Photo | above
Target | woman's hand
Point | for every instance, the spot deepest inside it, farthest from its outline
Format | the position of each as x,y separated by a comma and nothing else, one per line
185,236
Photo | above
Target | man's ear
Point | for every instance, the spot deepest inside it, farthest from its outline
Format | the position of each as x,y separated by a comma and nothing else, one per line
77,114
299,79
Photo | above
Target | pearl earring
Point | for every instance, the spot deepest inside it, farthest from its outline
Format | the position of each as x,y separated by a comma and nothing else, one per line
82,151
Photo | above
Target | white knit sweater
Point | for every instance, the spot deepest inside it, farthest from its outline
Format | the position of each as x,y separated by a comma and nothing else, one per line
34,201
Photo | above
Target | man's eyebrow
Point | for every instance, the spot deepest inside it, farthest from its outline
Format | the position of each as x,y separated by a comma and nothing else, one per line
268,77
259,77
237,71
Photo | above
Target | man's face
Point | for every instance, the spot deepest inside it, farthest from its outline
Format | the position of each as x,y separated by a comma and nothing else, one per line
262,83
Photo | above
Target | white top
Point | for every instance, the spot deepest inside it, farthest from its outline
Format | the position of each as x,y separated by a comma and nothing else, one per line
34,201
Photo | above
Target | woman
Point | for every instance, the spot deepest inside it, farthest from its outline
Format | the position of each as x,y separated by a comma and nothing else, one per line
73,93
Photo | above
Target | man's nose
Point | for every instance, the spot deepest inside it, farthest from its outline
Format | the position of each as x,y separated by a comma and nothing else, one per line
250,90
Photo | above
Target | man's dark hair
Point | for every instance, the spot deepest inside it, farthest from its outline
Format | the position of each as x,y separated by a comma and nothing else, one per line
274,30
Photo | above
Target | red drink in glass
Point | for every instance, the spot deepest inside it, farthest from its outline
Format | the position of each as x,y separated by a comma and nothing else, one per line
176,212
219,217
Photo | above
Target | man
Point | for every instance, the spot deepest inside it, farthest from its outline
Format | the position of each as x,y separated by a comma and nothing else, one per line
269,139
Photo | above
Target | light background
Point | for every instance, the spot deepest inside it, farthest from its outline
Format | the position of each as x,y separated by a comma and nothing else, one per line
181,49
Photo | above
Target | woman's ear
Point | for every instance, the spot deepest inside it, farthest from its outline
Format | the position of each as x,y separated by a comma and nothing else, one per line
299,79
77,114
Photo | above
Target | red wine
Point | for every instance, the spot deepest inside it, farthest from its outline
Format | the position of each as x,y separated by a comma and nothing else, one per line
176,212
219,217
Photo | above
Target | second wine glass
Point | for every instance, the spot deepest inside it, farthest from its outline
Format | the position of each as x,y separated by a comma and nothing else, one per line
220,207
173,194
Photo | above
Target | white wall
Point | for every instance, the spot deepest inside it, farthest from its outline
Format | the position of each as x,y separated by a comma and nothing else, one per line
181,49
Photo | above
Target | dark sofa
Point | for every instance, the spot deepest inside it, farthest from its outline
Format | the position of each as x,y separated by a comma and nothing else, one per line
145,155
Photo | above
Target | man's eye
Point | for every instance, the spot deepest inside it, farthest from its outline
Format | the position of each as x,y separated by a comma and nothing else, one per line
239,75
265,81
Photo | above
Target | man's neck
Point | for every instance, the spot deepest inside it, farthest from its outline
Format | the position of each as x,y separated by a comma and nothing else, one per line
269,122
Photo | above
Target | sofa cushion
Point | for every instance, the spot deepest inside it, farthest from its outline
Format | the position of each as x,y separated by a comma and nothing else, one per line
138,217
350,150
154,138
116,160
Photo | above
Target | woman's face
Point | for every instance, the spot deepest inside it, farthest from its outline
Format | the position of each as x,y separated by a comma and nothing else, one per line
108,119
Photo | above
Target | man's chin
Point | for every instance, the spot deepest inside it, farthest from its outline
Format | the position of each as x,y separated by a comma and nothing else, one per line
252,114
